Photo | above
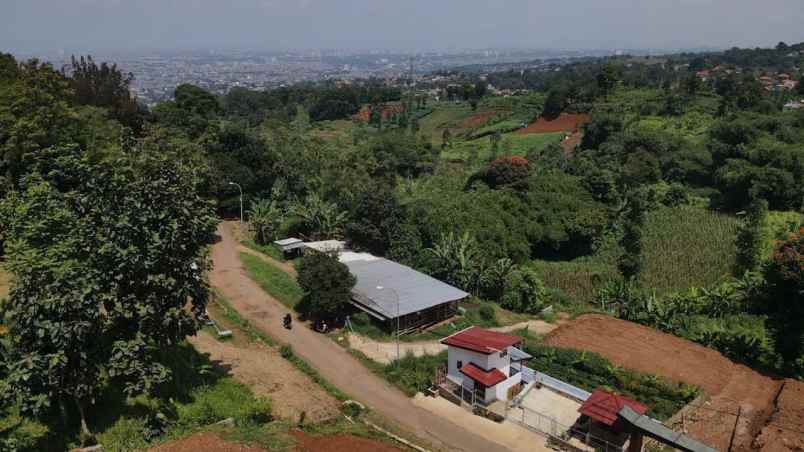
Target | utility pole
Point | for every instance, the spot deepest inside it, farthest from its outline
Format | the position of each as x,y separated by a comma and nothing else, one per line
241,202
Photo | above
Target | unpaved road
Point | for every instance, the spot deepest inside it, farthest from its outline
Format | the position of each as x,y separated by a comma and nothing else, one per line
335,364
385,351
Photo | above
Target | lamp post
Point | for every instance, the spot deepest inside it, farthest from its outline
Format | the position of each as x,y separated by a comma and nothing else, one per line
241,201
380,288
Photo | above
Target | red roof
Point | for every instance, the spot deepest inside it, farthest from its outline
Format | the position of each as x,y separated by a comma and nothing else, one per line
479,375
479,340
603,406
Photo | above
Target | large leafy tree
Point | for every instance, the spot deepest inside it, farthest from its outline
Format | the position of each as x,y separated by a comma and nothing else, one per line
108,261
327,286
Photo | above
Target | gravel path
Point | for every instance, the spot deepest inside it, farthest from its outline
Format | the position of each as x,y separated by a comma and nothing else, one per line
335,364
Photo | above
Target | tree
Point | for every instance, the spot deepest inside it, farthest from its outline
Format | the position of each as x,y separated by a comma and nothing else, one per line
105,268
105,86
750,236
784,274
457,260
320,219
631,261
555,103
607,78
446,139
376,216
524,292
503,172
265,218
327,286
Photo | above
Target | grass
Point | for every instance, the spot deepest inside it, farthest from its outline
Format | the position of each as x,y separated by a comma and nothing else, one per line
269,250
683,247
445,115
274,281
511,144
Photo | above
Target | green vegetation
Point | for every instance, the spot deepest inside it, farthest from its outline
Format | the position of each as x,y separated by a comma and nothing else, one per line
683,247
274,281
269,250
327,286
590,371
5,283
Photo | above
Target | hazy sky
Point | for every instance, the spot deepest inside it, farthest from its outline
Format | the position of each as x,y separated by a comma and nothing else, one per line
396,24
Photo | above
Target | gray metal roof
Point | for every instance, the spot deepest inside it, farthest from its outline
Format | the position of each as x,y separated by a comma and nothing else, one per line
414,290
660,432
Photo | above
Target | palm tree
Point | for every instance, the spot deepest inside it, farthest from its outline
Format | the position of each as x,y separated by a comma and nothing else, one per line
457,257
322,219
265,218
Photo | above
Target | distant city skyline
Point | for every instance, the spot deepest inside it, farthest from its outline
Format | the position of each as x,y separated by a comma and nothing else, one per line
84,26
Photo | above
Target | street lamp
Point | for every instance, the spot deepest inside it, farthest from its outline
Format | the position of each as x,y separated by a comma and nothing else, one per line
396,295
241,201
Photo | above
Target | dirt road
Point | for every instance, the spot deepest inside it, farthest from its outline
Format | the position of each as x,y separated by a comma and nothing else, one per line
334,364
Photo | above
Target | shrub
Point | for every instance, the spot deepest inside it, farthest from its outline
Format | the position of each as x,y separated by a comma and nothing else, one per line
524,292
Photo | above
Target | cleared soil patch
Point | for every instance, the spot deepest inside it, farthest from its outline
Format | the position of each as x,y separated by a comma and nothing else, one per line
476,120
339,443
206,441
785,428
731,386
268,374
566,122
388,110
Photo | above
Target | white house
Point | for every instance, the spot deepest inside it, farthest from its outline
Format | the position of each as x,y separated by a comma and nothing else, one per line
485,363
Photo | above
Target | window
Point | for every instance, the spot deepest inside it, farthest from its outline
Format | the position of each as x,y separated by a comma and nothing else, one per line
503,353
460,364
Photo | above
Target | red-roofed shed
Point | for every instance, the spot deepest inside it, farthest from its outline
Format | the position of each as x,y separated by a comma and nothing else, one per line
482,341
486,378
603,406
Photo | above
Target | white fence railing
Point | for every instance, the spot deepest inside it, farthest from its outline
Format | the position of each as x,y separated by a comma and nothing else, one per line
560,386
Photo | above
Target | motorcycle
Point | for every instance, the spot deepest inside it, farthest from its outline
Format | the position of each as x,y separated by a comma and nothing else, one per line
287,321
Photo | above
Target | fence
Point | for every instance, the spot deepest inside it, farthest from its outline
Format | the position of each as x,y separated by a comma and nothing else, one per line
529,375
569,437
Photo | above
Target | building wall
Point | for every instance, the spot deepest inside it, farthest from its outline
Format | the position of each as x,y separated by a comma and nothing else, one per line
455,354
501,389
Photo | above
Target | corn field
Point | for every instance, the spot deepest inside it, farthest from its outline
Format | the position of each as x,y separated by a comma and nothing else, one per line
683,247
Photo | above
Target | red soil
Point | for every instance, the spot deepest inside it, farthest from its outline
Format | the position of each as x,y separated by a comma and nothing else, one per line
388,110
476,120
339,443
206,441
730,386
566,122
785,428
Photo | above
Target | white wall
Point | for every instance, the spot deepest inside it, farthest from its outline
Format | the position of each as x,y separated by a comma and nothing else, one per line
456,354
501,388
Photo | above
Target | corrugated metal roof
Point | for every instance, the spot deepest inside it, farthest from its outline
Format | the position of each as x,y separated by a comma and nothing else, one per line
661,432
482,341
603,406
415,291
288,241
486,378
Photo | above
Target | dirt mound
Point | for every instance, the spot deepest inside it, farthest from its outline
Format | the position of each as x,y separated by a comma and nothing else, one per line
566,122
207,442
732,387
268,374
339,443
784,431
476,120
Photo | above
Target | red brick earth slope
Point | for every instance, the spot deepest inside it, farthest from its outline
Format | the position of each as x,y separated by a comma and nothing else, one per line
339,443
212,442
731,386
785,429
476,120
566,122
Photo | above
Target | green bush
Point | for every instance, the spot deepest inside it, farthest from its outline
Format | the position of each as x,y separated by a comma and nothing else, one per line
124,435
414,374
225,399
